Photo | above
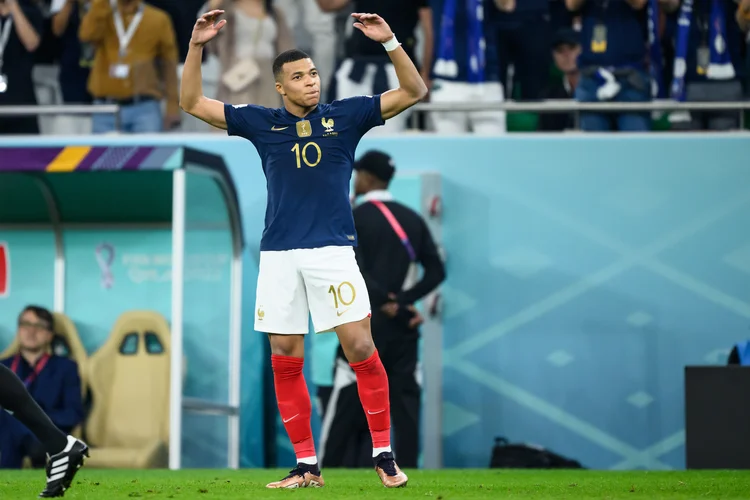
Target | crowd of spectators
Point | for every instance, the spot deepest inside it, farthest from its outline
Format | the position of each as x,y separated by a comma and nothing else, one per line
129,53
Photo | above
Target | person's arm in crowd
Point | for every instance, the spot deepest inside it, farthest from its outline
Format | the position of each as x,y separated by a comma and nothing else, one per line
94,23
743,15
332,5
70,413
428,45
669,6
169,55
27,21
637,4
506,5
434,271
574,5
61,15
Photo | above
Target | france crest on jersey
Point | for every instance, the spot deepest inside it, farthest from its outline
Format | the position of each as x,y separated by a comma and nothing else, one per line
308,165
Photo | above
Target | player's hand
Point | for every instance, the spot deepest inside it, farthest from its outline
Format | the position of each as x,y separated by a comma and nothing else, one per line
390,309
417,320
206,27
373,26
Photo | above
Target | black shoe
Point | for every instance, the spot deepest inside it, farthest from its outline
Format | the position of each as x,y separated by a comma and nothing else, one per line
62,468
390,474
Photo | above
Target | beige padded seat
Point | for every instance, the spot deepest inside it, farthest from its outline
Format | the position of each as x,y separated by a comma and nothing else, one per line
128,426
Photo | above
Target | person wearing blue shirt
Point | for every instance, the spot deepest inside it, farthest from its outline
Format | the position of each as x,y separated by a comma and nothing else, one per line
613,61
466,68
307,261
51,380
708,61
523,38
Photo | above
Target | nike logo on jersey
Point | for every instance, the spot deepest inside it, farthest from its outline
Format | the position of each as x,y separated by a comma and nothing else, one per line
276,129
339,314
375,412
290,418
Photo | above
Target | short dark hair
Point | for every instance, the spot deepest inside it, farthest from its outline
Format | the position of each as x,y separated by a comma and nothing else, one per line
42,313
288,56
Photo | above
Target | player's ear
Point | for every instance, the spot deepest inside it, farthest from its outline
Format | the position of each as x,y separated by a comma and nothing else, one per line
280,88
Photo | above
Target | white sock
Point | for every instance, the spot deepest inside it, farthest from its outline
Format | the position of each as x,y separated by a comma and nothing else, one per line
378,451
313,460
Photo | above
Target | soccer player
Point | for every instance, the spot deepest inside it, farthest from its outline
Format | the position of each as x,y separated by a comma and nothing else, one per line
66,453
307,262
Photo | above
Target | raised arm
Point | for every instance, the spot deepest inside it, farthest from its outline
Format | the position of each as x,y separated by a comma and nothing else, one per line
411,88
192,100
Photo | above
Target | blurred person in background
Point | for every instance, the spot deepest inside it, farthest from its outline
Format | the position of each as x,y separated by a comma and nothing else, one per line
393,240
53,382
135,65
566,48
613,62
256,31
366,70
76,59
523,34
708,61
742,17
21,23
465,69
314,32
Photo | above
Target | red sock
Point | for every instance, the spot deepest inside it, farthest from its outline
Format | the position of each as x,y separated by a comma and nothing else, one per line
372,384
294,403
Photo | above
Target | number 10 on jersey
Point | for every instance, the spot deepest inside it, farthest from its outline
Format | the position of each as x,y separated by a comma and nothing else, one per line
302,154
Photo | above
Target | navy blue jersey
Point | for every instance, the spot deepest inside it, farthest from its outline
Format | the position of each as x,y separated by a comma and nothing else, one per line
308,166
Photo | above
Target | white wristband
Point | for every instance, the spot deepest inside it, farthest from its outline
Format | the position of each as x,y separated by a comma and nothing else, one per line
391,44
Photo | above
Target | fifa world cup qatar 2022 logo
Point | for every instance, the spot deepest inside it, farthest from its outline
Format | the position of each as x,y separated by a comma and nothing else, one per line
4,270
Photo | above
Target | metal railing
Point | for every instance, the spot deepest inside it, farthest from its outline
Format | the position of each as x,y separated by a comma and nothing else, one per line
571,106
548,106
63,109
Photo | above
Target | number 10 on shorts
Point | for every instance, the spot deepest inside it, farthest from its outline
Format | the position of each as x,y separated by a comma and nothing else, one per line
343,295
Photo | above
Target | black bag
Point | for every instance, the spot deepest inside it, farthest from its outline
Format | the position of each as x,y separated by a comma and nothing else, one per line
523,456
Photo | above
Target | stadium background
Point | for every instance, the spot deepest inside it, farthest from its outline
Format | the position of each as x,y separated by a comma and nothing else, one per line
584,273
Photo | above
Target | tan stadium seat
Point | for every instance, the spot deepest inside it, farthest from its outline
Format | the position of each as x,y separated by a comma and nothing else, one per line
67,343
128,427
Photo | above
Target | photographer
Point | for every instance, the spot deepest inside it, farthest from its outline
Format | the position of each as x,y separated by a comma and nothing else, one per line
392,240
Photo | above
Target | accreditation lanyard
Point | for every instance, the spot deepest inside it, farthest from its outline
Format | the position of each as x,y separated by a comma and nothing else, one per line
125,37
38,367
4,38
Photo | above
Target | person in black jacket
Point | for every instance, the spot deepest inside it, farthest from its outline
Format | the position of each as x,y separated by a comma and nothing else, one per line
392,241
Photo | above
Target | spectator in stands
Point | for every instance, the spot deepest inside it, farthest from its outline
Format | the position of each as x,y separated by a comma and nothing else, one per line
21,24
256,32
465,68
306,18
135,65
183,14
613,61
53,382
708,62
566,47
367,69
743,20
523,34
76,59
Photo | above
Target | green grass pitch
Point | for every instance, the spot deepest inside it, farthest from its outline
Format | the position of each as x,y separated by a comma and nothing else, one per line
429,485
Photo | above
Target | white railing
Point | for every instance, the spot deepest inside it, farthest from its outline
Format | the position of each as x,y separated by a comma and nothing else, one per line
575,107
548,106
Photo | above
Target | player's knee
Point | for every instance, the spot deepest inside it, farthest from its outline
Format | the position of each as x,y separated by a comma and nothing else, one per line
287,345
359,349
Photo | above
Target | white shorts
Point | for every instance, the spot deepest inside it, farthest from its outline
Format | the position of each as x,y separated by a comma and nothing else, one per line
324,283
